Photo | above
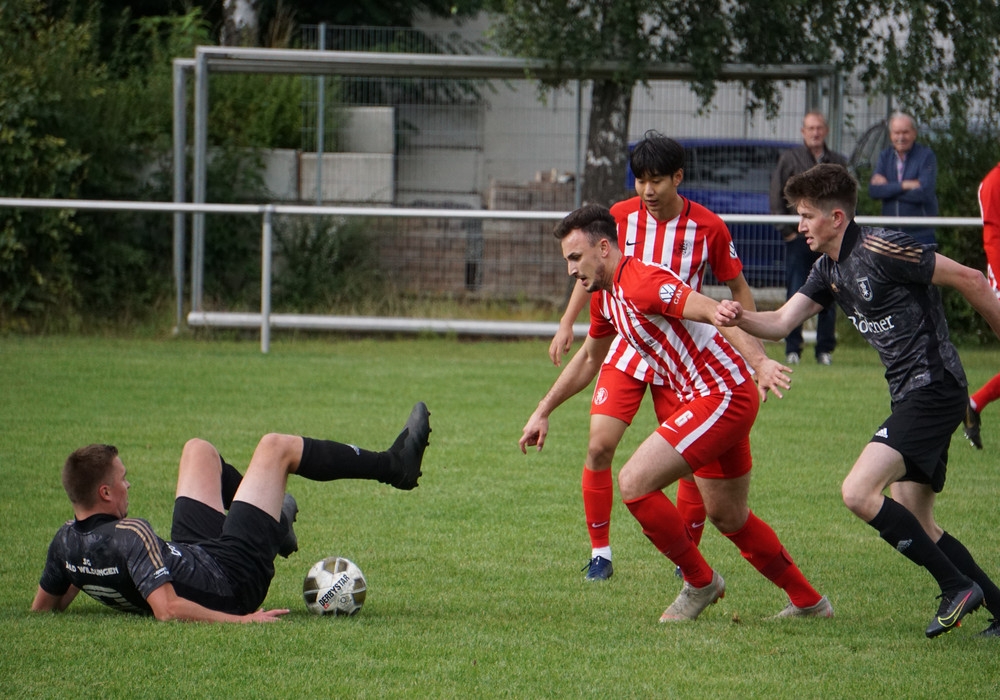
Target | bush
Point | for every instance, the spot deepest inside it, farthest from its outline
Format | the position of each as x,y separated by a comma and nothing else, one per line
36,58
325,263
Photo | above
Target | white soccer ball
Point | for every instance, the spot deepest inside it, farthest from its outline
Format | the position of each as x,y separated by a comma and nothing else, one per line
334,586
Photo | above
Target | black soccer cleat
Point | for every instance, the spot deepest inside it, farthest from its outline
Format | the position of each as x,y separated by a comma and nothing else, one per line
971,426
289,511
992,631
954,606
407,452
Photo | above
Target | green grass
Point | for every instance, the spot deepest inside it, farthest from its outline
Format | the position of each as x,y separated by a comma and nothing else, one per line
474,580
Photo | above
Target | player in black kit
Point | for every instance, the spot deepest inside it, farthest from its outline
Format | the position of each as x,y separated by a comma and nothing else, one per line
217,567
886,283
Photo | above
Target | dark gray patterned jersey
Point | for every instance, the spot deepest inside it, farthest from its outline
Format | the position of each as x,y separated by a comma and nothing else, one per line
883,283
119,562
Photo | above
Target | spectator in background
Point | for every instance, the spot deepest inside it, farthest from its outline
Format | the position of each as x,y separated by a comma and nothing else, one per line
905,177
798,258
989,207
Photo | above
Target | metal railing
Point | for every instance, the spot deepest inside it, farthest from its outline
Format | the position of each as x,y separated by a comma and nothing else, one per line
266,320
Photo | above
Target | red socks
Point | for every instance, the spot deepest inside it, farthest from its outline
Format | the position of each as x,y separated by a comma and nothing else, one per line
662,524
598,497
691,508
760,546
989,393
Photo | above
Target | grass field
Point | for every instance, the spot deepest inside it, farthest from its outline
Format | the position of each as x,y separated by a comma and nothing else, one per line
475,588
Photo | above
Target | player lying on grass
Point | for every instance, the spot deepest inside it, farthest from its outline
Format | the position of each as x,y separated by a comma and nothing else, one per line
217,567
707,435
886,283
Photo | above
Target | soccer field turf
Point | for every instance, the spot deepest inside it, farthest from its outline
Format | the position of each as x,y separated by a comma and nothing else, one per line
475,588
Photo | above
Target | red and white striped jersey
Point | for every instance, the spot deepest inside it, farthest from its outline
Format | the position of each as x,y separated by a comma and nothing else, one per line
989,207
645,307
686,245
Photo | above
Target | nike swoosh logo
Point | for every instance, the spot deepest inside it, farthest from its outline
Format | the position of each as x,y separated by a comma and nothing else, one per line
955,614
629,242
697,525
600,524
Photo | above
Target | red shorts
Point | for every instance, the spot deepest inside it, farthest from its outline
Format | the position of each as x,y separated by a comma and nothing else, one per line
618,395
712,433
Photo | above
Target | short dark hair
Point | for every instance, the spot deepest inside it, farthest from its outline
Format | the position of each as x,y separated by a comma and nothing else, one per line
593,219
826,186
85,470
655,155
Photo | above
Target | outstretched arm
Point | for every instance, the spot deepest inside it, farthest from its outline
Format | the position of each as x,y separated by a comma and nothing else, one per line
562,341
167,605
771,375
772,325
972,285
574,378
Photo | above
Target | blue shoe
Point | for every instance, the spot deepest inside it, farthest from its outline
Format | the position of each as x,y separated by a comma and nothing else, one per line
599,569
954,606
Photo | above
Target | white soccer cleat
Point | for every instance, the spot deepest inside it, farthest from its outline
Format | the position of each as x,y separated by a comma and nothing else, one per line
691,601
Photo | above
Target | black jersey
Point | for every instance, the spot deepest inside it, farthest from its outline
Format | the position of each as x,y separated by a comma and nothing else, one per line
119,562
883,283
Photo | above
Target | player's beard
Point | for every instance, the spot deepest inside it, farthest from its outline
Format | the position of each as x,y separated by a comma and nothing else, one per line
599,281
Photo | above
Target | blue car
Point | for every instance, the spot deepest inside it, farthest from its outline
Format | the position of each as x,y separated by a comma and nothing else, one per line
733,176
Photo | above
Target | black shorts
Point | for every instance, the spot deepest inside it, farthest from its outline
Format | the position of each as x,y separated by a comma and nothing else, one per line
920,429
244,543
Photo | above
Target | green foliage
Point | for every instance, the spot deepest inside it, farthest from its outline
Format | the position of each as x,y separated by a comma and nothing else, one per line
322,263
38,59
255,111
75,124
475,582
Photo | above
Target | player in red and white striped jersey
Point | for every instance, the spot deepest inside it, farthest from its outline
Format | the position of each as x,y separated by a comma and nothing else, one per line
989,206
657,226
667,323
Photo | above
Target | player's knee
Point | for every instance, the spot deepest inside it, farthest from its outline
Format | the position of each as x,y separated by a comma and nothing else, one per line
600,454
855,499
727,517
630,486
199,449
278,446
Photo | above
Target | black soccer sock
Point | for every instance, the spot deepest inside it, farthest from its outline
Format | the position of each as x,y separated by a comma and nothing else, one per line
326,460
231,480
962,558
901,529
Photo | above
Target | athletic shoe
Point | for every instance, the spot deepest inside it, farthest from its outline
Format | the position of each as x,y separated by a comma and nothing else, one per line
289,512
599,569
408,450
821,609
971,427
992,631
678,573
954,606
824,358
792,358
691,601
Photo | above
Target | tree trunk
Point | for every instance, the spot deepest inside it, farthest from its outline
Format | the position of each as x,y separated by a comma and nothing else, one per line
607,143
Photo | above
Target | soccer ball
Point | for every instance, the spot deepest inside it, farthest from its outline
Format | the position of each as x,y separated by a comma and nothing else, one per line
334,586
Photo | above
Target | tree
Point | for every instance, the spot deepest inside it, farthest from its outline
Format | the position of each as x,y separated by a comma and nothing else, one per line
935,57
